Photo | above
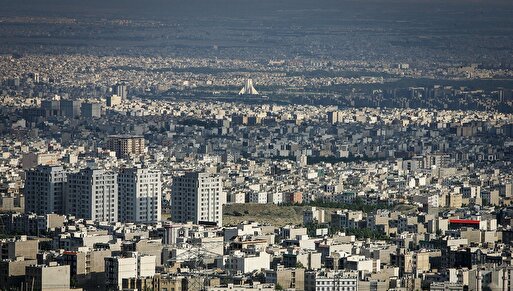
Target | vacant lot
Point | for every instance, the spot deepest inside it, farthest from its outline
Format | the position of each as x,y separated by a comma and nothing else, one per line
263,213
274,214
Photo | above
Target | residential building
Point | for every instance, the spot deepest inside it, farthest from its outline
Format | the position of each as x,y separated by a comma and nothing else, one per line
113,100
121,90
19,247
197,197
93,194
232,287
131,266
91,110
12,272
86,264
44,190
241,262
50,277
71,108
126,146
286,278
334,281
140,195
32,160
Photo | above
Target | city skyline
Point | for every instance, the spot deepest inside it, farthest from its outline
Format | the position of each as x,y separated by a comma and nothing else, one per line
217,145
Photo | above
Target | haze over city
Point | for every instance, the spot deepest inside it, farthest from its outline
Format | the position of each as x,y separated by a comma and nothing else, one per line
216,145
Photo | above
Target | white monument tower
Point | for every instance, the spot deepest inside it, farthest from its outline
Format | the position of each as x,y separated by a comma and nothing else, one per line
248,88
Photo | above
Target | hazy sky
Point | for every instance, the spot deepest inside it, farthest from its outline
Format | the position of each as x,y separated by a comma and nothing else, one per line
161,8
471,28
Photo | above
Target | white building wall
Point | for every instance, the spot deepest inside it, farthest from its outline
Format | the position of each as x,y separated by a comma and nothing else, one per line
242,263
93,194
146,266
197,197
44,190
140,193
275,198
258,197
118,269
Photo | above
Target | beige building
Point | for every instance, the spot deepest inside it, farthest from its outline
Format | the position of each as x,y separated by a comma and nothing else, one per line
113,100
308,259
19,247
32,160
125,145
287,278
372,285
146,247
490,197
314,215
14,203
169,282
86,266
411,262
454,200
12,272
47,278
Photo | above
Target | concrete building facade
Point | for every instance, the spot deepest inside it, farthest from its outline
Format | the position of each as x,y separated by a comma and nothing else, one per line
132,266
44,190
140,195
47,278
93,194
126,146
197,197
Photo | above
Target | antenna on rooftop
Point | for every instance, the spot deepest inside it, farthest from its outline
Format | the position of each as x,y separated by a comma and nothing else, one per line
196,255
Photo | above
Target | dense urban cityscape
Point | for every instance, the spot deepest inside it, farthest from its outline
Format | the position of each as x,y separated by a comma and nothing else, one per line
309,146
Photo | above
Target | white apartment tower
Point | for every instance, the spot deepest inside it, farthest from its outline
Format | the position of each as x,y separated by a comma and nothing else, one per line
140,195
93,194
44,190
197,197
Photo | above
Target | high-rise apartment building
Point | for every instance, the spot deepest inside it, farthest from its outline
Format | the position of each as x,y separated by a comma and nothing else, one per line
126,145
44,190
71,108
91,110
332,117
121,90
52,107
140,194
197,197
93,194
